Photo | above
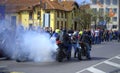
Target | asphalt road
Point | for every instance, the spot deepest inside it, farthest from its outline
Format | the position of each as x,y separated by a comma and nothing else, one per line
105,59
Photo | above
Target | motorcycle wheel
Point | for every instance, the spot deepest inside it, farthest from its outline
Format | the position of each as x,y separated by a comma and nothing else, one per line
69,56
79,56
20,60
59,57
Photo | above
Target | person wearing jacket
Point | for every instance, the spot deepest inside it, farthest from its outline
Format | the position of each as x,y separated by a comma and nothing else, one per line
86,40
67,41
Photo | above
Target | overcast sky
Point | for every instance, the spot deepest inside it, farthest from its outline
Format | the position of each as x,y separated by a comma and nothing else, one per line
80,1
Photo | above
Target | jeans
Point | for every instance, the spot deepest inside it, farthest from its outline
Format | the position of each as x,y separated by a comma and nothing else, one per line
69,47
88,50
75,47
96,40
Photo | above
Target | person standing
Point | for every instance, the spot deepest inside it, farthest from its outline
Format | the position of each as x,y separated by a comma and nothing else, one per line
86,40
67,43
96,36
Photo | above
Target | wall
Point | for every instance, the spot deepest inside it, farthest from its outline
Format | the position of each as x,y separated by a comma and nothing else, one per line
25,18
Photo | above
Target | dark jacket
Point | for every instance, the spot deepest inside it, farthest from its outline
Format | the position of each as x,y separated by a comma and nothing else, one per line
66,39
85,38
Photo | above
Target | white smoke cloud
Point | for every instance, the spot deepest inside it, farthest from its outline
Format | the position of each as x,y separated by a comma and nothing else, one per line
26,44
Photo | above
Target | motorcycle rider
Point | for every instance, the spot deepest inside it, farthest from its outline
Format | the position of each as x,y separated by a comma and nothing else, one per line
86,40
67,42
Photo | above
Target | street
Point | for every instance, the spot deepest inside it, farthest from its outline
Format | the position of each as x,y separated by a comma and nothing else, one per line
105,59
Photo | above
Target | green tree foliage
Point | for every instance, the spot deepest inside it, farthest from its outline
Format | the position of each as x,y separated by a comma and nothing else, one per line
84,18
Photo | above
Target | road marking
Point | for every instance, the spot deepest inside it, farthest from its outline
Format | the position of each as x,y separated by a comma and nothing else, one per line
3,58
112,64
3,66
117,57
16,72
99,64
95,70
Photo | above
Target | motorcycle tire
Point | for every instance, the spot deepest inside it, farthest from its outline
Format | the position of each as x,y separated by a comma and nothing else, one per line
20,60
17,60
69,56
79,56
59,57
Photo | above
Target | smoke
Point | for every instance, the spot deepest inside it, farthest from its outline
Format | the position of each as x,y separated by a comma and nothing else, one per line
18,43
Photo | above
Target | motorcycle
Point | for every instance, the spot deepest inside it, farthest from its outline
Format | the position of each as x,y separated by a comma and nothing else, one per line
79,56
82,51
62,52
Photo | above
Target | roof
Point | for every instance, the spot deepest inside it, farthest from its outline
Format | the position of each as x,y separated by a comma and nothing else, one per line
87,6
20,5
17,5
69,5
47,4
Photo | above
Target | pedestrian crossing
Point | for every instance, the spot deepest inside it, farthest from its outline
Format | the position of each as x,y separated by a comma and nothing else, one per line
111,65
118,57
95,70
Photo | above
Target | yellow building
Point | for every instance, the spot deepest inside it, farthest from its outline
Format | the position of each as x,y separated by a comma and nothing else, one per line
44,13
62,13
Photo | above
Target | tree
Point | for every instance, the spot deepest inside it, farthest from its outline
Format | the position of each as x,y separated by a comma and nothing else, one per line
84,17
98,17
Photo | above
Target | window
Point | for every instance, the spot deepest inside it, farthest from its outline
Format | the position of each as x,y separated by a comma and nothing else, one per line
114,2
38,15
108,2
74,12
61,14
58,14
101,10
65,15
114,19
114,26
57,24
101,1
13,21
107,10
72,15
65,24
94,1
61,22
115,10
94,10
30,16
61,27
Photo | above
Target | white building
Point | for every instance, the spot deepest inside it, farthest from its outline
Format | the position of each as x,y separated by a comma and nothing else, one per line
105,6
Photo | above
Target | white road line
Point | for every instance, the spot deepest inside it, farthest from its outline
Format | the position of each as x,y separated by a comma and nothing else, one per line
3,66
117,57
2,58
112,64
95,70
97,64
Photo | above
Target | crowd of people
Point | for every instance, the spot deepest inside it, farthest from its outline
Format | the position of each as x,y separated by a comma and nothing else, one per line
73,38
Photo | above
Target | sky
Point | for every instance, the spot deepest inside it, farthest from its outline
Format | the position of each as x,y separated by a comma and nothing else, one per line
80,1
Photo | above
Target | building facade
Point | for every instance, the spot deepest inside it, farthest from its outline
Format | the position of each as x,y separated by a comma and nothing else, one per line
105,7
45,13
